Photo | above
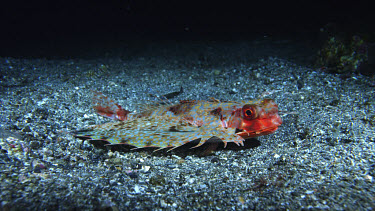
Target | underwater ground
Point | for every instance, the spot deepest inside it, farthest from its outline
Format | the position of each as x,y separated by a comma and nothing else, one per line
322,157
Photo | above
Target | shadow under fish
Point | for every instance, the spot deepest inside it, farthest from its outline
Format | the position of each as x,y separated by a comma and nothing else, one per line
211,145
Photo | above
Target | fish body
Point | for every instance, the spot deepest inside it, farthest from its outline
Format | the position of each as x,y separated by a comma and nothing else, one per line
172,125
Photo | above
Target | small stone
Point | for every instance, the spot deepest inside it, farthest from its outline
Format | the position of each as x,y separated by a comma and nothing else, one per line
157,180
26,129
38,169
34,144
163,204
217,72
133,174
215,160
309,192
136,165
137,189
117,161
146,168
369,178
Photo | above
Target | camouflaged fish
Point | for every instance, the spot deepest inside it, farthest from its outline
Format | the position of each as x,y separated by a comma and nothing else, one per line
169,126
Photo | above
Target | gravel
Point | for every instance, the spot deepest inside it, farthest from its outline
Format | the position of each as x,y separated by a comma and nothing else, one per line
322,157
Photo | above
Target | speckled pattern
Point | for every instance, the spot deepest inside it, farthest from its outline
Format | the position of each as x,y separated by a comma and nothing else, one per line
322,156
173,125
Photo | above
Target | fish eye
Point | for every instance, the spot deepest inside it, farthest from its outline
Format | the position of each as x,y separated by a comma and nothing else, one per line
248,112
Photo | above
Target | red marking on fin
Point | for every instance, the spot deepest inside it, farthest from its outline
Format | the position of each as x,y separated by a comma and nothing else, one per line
108,108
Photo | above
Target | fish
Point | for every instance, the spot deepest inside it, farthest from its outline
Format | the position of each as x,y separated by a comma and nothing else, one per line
168,96
173,94
174,125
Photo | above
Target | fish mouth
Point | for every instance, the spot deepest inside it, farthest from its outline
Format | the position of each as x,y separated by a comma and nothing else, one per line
238,131
251,134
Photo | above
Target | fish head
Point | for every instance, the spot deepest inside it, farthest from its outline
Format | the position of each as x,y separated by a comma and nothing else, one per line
256,119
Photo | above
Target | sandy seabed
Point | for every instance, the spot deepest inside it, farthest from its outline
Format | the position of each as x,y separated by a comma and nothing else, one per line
322,157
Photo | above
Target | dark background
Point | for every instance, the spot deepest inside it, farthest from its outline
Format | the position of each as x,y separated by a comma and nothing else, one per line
61,28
